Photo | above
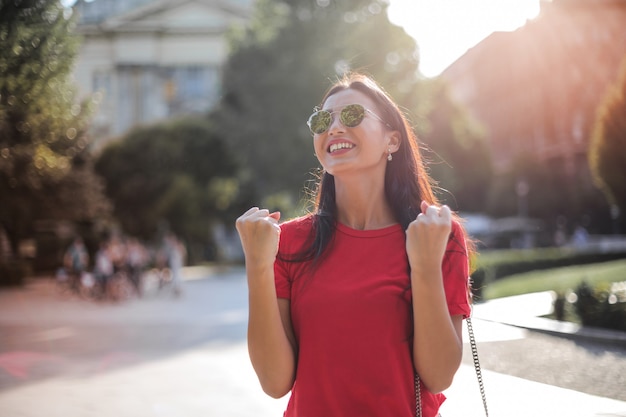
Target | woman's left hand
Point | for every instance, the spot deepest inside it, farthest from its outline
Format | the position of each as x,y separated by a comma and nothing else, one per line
427,237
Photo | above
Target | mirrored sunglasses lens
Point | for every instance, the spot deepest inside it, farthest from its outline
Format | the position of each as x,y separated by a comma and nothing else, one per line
320,122
352,115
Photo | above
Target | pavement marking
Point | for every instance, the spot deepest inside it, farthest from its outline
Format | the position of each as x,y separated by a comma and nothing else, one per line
53,334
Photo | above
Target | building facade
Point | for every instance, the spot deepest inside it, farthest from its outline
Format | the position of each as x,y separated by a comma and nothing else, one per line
537,89
147,60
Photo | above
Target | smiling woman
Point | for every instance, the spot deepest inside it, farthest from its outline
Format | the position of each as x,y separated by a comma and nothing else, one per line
445,29
377,270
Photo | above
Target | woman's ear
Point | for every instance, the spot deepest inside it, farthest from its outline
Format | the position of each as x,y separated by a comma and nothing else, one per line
393,141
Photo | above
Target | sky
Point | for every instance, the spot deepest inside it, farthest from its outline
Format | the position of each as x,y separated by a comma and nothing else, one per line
445,29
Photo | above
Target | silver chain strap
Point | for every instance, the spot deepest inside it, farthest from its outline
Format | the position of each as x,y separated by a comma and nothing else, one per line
479,375
418,397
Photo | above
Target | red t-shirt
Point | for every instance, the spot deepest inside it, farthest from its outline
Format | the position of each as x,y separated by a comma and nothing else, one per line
352,319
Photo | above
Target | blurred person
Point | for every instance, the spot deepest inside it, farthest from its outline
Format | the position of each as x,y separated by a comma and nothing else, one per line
175,255
360,303
117,253
103,267
76,261
136,258
580,237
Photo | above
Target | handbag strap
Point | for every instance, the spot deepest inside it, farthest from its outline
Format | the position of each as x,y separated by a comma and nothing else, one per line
479,375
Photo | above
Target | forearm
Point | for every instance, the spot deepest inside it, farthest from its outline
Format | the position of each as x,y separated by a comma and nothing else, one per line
437,343
271,352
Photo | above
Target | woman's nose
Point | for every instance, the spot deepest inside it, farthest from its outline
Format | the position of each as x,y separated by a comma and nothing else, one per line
335,125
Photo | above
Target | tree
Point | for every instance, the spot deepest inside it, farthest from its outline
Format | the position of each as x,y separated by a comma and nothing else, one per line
177,175
607,155
44,166
279,68
458,155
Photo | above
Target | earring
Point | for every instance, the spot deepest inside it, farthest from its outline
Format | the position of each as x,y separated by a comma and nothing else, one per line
389,156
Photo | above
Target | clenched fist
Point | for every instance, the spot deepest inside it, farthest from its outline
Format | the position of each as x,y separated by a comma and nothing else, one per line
259,233
427,237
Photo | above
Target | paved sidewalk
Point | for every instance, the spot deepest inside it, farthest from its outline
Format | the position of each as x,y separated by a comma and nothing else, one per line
508,396
511,318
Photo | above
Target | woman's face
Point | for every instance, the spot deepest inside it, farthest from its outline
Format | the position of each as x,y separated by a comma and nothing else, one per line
353,149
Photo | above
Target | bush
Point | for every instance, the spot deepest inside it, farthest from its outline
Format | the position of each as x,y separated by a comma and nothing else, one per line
50,250
14,273
601,306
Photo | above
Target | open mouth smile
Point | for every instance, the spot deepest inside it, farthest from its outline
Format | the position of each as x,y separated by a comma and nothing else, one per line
339,146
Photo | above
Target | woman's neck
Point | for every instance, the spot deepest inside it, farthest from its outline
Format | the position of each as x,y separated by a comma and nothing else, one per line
362,205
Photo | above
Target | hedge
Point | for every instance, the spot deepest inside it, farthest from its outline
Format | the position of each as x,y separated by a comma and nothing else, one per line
14,273
494,265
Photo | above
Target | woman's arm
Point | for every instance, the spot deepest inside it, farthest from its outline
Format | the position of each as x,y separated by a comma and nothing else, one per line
437,340
271,344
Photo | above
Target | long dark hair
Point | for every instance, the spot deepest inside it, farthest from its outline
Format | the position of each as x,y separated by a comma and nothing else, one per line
407,182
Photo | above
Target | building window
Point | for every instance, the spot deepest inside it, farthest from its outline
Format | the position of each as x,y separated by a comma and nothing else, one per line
191,89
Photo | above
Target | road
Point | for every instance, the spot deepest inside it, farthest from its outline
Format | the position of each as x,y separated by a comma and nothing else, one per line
167,356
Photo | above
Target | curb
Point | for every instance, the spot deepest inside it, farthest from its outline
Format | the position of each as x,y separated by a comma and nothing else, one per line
537,305
566,329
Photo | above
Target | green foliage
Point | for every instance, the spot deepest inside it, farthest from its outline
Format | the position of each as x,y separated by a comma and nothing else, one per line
281,65
558,279
177,174
507,265
14,273
458,155
600,292
577,199
607,155
289,55
598,306
44,169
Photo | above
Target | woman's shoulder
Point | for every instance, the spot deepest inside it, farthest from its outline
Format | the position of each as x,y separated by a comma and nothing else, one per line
458,236
297,225
295,233
457,226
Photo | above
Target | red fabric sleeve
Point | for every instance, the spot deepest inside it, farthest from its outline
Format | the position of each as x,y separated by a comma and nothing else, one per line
293,238
281,278
455,268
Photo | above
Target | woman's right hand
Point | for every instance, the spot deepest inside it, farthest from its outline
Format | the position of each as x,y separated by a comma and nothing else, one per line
259,233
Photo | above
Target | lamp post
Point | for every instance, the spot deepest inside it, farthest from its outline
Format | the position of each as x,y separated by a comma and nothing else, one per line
521,189
615,217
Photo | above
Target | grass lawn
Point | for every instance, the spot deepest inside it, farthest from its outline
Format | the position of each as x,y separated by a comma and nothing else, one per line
557,279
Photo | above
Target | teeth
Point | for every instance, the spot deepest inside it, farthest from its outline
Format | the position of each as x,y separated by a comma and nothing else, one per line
336,146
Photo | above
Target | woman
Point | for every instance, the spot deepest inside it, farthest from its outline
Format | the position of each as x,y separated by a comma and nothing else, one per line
348,303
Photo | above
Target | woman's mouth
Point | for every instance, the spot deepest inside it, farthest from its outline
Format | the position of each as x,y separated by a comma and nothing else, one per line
339,146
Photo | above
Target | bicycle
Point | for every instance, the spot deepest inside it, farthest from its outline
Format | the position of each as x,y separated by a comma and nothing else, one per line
119,287
82,284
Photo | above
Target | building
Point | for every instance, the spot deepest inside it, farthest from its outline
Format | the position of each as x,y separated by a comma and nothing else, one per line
152,59
537,89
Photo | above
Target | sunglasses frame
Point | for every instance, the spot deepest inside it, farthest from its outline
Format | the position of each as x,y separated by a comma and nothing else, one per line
365,110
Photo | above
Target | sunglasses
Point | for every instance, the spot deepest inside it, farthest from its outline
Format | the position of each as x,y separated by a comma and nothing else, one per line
350,116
